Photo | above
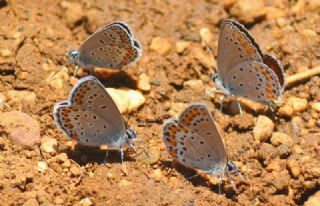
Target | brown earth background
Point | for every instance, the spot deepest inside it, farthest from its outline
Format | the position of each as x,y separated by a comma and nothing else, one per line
281,167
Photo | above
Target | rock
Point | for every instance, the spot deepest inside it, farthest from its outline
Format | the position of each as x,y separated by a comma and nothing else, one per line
144,83
203,57
157,174
3,100
49,145
66,164
274,165
248,11
58,201
21,127
5,53
316,106
181,46
313,200
62,157
193,84
313,5
73,13
206,35
124,183
127,100
309,33
160,45
22,96
31,202
263,128
274,13
294,168
298,8
86,202
42,166
280,138
293,106
75,171
58,79
151,158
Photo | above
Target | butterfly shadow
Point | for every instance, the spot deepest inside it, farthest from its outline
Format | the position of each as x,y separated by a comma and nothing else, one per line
83,155
115,79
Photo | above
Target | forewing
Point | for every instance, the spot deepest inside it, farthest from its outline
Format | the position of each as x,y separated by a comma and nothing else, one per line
255,81
86,127
235,46
194,147
276,67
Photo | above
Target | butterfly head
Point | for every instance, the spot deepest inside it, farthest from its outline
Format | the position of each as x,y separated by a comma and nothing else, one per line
130,136
73,55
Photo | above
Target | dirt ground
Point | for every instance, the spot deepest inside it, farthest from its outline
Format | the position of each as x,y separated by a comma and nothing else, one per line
36,35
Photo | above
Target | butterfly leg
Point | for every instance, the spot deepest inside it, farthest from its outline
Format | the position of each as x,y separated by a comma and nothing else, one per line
231,181
75,71
239,106
105,158
221,101
193,176
220,182
121,155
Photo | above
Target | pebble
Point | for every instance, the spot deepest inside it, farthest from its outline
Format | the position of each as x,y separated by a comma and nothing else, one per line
263,128
5,52
66,164
21,127
62,157
206,35
292,106
42,166
86,202
57,80
49,145
157,174
160,45
193,84
3,100
144,83
274,165
75,170
280,138
124,183
274,13
294,168
151,158
316,106
22,96
58,201
127,100
31,202
248,11
203,57
181,46
313,200
74,12
298,8
313,5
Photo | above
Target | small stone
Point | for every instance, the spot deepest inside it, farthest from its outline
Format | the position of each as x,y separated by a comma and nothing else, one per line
5,52
66,164
274,13
21,127
274,166
298,8
263,128
160,45
22,96
124,183
62,157
42,166
206,35
285,111
157,174
127,100
313,200
316,106
75,171
86,202
49,145
57,80
193,84
247,10
74,12
298,105
3,100
294,168
31,202
152,156
181,46
58,201
309,33
144,83
279,138
313,5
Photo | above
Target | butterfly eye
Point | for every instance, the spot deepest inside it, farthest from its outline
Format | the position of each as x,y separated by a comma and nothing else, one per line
231,167
131,134
73,54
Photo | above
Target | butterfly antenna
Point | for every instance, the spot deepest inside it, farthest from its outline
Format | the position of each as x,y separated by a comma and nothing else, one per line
210,52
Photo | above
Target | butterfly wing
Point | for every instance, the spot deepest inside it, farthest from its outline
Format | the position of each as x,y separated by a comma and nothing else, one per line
194,140
112,46
90,116
235,46
276,67
254,80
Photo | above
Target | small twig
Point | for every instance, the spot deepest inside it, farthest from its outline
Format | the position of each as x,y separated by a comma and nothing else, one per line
302,76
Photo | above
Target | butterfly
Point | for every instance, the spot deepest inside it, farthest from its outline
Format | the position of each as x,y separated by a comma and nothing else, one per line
112,46
194,140
243,70
91,117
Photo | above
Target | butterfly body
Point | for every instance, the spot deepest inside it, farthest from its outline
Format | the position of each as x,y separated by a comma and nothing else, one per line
243,70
